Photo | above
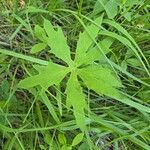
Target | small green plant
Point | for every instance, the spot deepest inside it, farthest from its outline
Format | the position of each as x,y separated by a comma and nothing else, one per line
63,141
82,70
74,97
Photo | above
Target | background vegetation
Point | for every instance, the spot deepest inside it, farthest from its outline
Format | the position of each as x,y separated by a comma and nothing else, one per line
31,120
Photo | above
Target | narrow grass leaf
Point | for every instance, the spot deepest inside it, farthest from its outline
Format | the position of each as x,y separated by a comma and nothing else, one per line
126,42
23,22
50,107
24,57
131,103
125,32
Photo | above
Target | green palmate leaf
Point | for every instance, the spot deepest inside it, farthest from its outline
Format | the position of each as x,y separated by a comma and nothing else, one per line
38,47
85,41
100,79
58,42
48,76
76,98
95,77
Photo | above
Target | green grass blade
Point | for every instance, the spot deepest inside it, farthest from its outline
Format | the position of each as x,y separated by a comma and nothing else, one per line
24,57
